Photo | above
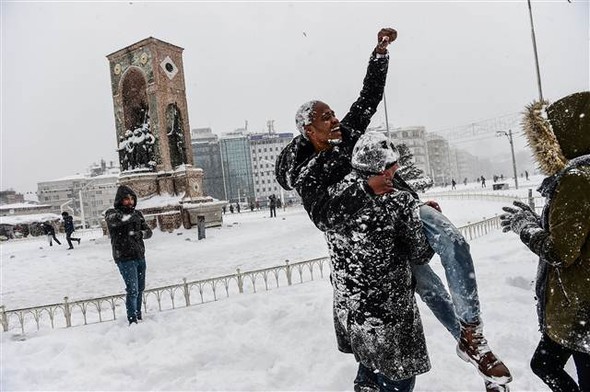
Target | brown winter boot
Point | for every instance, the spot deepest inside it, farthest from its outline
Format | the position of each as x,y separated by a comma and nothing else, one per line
473,347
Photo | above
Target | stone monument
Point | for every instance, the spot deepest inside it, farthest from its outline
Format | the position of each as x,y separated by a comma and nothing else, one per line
153,136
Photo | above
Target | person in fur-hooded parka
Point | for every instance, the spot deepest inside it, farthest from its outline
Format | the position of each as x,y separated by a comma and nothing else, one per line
559,135
377,318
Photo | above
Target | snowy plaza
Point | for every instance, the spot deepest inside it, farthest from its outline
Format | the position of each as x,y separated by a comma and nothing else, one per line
280,339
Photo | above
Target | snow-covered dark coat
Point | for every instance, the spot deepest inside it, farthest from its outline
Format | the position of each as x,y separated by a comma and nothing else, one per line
127,228
376,316
560,138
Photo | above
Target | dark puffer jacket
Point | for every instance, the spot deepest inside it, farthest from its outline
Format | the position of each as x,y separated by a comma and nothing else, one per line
560,137
68,223
127,228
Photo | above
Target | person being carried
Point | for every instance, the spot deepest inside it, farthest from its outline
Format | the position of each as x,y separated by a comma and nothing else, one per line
128,229
69,229
49,231
559,135
321,156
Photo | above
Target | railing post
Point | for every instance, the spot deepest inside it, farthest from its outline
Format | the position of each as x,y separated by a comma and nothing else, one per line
4,318
67,313
288,272
240,281
531,200
187,294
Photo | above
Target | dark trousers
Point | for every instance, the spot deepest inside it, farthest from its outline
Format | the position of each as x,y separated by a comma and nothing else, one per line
549,360
367,380
53,237
273,212
69,238
133,273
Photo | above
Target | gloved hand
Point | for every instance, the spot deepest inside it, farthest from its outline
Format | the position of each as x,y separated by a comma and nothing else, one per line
516,219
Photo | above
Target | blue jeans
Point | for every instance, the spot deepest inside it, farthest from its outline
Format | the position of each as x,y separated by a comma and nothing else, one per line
367,380
133,272
463,302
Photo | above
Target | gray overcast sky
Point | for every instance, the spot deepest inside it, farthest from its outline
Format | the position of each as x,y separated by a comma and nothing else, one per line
453,63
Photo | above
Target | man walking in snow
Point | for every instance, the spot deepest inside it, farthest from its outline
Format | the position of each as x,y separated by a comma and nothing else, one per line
128,229
321,157
69,229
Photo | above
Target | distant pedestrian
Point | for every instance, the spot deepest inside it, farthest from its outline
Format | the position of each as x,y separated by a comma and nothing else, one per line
238,207
483,182
526,175
453,183
251,207
223,209
49,231
502,177
231,208
127,228
465,181
273,205
69,229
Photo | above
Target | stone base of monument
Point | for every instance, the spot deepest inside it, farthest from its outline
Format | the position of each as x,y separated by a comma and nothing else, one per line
171,199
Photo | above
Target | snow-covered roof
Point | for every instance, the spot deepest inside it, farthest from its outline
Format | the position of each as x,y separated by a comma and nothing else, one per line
20,206
26,219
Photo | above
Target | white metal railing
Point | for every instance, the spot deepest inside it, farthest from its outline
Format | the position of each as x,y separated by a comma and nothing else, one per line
538,201
96,310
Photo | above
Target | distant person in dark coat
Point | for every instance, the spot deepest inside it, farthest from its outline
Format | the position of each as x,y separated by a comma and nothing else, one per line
238,207
127,229
483,182
69,229
272,203
49,231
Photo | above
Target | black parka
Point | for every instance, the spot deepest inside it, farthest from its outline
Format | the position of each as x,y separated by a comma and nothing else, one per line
127,228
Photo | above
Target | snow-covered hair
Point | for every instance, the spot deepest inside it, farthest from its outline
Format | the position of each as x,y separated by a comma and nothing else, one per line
304,116
373,153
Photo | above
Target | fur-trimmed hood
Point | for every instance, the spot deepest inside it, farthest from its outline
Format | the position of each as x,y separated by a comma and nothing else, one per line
558,132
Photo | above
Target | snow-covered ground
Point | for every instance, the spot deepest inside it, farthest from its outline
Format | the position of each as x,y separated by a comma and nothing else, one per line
281,339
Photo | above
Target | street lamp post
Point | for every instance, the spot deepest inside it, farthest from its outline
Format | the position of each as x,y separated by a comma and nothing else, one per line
535,52
509,136
82,217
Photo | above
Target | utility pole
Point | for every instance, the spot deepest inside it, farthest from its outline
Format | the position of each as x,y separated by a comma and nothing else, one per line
509,136
386,118
535,52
